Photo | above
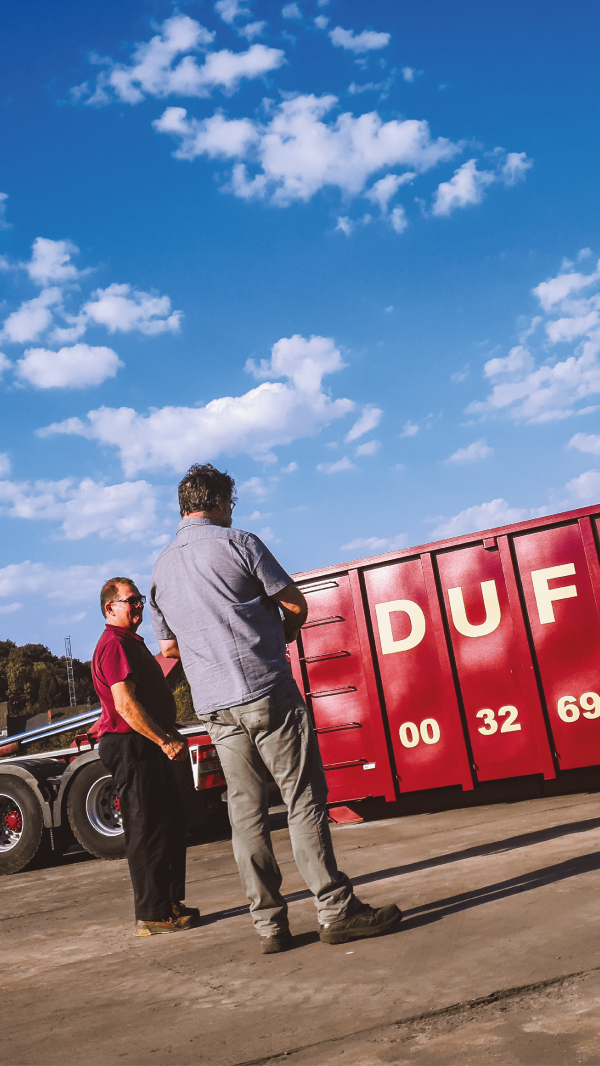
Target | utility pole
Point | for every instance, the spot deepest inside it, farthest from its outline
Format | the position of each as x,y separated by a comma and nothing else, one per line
70,677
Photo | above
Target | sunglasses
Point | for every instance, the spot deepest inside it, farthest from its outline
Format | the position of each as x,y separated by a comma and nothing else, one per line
133,601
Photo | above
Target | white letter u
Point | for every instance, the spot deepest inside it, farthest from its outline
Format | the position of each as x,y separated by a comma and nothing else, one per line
492,611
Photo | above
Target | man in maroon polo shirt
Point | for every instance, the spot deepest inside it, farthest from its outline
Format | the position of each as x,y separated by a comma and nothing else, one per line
139,743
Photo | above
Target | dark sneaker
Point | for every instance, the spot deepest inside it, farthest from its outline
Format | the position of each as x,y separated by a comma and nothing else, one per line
271,945
185,917
152,928
366,921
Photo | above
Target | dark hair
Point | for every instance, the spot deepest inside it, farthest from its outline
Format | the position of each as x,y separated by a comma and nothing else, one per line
203,488
110,590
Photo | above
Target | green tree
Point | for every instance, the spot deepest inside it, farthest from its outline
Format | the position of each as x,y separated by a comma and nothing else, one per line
32,679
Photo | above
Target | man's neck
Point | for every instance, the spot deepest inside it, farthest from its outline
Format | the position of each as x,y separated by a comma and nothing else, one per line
215,516
132,630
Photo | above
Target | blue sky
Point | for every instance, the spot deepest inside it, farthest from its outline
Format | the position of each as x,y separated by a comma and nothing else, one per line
348,252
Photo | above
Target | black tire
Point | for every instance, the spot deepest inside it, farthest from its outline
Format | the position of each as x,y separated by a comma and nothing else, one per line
93,815
21,824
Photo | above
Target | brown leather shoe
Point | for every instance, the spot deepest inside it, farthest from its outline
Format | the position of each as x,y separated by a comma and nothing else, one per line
364,922
185,917
272,945
152,928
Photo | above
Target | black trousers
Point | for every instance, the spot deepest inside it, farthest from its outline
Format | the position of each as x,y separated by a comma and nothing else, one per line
153,821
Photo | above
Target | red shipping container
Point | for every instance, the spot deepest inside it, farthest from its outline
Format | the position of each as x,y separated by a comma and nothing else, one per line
479,653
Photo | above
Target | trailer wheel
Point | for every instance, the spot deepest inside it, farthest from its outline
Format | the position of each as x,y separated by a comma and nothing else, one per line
94,813
21,825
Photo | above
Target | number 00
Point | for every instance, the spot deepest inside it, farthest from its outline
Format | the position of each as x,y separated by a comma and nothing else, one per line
428,732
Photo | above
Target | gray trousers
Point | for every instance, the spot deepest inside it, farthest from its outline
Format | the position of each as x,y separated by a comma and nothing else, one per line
275,731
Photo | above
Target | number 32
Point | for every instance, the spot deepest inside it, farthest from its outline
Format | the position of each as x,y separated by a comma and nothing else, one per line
491,726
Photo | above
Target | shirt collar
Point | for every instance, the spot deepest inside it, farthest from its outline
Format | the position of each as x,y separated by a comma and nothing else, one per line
194,522
124,632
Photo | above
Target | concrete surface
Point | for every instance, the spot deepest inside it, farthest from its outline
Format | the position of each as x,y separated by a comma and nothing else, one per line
498,899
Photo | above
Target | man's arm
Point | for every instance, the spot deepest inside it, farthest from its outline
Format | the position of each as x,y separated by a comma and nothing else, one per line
170,649
123,693
295,609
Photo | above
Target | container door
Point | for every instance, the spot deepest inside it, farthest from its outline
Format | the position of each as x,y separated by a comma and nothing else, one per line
339,684
502,707
563,615
420,698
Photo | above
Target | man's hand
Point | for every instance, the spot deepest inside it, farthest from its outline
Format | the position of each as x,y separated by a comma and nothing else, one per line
175,749
294,607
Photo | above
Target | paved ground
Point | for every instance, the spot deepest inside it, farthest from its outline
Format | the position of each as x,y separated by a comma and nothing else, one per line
502,907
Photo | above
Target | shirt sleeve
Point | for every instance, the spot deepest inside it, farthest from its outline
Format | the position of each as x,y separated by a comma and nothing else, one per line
114,664
159,626
265,567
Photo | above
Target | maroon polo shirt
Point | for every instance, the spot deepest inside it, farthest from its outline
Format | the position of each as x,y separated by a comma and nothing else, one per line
120,654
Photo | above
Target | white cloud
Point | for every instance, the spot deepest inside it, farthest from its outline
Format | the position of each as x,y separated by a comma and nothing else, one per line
291,11
485,516
5,363
229,10
303,361
556,290
267,535
121,307
584,489
256,516
467,186
10,608
321,22
345,225
554,389
337,467
125,511
32,318
376,545
389,309
370,447
118,307
373,86
67,619
359,43
69,584
386,188
515,168
409,429
298,152
398,219
408,73
155,72
290,468
251,30
256,487
4,464
472,453
586,442
215,137
369,419
269,415
72,368
51,261
3,205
